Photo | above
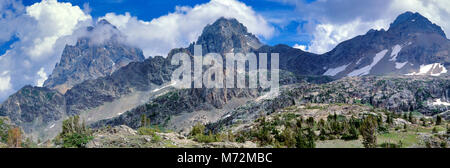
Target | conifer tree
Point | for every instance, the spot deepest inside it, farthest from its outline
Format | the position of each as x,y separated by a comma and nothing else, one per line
438,120
368,130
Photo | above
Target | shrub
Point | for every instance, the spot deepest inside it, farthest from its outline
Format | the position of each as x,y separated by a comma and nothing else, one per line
4,128
76,140
198,134
311,143
390,119
198,129
310,121
352,134
434,131
156,138
205,138
146,131
411,117
443,144
289,139
145,122
263,134
300,139
321,124
230,136
305,140
390,145
448,130
383,129
74,134
14,137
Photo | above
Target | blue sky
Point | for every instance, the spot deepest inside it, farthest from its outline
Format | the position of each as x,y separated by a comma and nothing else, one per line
150,9
286,33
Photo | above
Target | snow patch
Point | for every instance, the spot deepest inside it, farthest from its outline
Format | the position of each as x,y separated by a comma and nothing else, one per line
435,69
228,115
438,102
400,65
268,95
359,61
366,70
158,89
395,50
335,71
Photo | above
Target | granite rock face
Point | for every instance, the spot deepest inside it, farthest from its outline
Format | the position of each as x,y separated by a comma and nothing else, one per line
223,36
92,57
39,110
226,35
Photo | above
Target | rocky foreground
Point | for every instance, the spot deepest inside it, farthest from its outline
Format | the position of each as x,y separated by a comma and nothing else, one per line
125,137
415,131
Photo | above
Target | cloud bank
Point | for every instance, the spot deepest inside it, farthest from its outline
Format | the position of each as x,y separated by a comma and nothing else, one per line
41,32
183,26
337,21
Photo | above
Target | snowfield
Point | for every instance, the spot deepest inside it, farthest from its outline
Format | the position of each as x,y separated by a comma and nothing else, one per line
400,65
366,70
335,71
438,102
395,50
435,69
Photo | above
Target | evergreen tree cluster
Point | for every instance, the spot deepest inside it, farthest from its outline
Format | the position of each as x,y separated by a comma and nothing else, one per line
74,134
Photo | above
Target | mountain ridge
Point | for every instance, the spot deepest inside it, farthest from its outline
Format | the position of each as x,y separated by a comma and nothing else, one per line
151,77
92,57
409,45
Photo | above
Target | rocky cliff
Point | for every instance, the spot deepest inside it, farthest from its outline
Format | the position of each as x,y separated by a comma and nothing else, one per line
99,52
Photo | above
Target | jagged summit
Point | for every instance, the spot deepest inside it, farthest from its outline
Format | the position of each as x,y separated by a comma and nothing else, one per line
227,35
103,22
410,22
97,53
411,44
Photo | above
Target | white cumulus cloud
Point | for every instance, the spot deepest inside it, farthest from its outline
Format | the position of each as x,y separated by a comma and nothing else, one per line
299,46
41,31
43,77
178,29
337,21
54,20
327,36
5,81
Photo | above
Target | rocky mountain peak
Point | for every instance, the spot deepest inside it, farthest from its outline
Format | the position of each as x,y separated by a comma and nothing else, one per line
227,35
97,53
410,22
103,22
412,45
